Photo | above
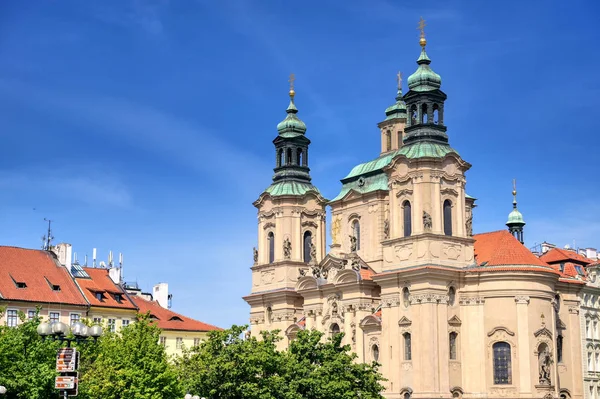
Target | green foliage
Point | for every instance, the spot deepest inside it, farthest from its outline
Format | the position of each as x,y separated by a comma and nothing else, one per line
26,362
129,365
227,366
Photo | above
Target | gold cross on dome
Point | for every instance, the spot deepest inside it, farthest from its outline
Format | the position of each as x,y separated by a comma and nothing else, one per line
291,80
399,79
422,27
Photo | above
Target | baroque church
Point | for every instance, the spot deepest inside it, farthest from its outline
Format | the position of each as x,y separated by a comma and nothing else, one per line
446,313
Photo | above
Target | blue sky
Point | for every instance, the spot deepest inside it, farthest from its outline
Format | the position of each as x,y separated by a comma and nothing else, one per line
145,127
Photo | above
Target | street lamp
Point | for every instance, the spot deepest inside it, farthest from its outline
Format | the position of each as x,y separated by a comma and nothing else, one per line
59,331
2,390
189,396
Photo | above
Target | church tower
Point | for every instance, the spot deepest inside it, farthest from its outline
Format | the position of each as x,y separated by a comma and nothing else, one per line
291,228
392,128
515,221
429,210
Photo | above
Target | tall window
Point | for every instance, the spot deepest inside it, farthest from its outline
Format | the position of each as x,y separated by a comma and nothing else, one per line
54,317
289,157
307,242
271,240
31,314
299,157
112,325
406,296
375,352
97,320
407,346
406,211
12,318
453,336
124,323
451,296
163,341
424,114
502,363
448,218
196,341
559,347
356,233
178,343
388,140
334,329
280,160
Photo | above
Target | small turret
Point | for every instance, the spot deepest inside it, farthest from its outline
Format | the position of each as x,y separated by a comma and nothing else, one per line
515,221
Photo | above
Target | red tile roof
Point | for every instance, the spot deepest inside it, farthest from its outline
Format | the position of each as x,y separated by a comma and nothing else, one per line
557,255
500,248
366,274
100,281
39,271
169,320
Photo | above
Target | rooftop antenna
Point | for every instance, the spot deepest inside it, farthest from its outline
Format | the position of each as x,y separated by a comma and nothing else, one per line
120,260
85,261
94,258
47,239
75,258
110,259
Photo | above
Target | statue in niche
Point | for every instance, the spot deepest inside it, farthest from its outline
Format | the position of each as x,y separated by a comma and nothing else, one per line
313,252
255,251
287,248
386,229
427,223
544,361
335,230
352,243
469,225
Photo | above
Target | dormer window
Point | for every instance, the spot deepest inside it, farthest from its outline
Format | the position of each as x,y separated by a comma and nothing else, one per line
55,287
118,297
99,296
20,284
175,318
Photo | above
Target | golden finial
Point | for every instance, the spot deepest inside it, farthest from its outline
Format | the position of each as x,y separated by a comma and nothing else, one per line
422,40
399,79
292,92
514,188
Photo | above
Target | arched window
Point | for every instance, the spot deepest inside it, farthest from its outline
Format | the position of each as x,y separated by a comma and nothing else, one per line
356,233
448,218
451,296
424,115
453,337
289,156
300,160
407,218
399,138
269,315
559,349
307,242
334,329
502,363
271,240
280,160
436,114
407,346
388,140
413,115
375,352
405,296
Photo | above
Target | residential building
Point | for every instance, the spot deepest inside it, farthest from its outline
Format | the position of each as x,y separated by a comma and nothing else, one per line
447,314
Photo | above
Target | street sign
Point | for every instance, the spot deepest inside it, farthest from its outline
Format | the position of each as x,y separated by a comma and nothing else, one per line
66,360
66,382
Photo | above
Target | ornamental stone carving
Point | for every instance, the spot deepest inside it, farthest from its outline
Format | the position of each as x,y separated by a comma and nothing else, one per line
428,298
471,301
522,299
389,301
427,223
287,248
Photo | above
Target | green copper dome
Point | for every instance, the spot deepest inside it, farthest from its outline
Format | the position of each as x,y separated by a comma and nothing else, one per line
291,126
424,79
397,110
515,217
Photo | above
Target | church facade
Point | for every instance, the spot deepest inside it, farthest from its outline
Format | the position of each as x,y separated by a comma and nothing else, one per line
446,313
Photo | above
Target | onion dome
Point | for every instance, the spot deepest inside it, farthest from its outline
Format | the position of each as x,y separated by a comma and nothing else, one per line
515,221
397,110
424,79
291,125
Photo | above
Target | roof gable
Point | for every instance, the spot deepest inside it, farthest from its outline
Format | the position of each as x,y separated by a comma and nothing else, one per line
100,290
557,255
168,320
500,248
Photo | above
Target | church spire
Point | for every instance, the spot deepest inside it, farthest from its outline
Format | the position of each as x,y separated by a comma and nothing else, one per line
515,221
425,100
291,145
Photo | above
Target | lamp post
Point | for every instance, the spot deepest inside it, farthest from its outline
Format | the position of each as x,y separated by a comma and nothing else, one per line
189,396
2,390
68,359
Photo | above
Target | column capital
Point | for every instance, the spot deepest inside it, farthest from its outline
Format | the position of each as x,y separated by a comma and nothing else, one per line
522,299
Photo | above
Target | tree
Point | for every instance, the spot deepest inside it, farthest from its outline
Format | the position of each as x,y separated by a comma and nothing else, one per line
227,366
130,364
26,362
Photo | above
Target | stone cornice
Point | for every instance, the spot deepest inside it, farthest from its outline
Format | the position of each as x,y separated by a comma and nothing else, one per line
428,298
471,301
390,300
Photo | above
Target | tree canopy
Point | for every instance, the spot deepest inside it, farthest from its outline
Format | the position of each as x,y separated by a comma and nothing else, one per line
227,366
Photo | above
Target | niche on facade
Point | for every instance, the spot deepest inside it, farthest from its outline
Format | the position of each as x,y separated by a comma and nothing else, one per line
457,392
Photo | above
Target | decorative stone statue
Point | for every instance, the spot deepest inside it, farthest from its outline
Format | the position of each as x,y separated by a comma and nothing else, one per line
255,251
355,265
313,252
386,229
544,361
352,243
427,221
248,334
335,230
469,225
287,248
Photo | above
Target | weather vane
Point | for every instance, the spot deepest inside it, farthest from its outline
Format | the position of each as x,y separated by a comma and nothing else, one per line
399,79
292,79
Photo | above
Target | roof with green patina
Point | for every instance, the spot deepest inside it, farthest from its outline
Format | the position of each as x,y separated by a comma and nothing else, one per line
290,187
369,184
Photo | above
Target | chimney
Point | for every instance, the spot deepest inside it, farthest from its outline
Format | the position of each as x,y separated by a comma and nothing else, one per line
591,253
115,274
64,253
160,293
547,247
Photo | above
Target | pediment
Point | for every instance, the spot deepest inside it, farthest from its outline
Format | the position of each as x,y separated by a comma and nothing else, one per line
543,331
306,283
404,322
347,276
293,329
332,261
498,329
370,321
454,321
